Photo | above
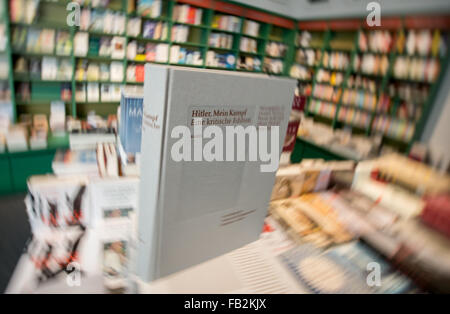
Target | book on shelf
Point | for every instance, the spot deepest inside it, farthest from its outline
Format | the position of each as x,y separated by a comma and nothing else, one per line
213,206
92,92
118,47
221,60
80,93
116,71
248,45
16,139
63,43
181,55
149,8
81,44
227,23
221,40
184,13
251,28
249,63
73,162
58,118
134,26
130,127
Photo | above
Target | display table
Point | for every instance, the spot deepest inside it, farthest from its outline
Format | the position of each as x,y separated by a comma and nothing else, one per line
228,273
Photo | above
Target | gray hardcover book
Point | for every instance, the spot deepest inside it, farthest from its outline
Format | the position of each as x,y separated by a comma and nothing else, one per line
205,190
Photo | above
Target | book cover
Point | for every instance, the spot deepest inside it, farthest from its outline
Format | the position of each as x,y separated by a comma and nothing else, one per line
191,211
130,129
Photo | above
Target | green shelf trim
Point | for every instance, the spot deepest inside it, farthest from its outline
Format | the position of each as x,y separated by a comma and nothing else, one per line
191,44
222,49
256,54
41,25
156,19
37,54
253,37
187,65
37,102
218,30
100,33
192,25
220,68
98,102
150,40
98,81
98,58
40,80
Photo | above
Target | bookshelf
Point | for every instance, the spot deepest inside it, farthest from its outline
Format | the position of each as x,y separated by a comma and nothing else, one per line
350,85
52,16
227,36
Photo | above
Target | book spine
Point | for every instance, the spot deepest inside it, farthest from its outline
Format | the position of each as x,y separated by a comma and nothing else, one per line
152,145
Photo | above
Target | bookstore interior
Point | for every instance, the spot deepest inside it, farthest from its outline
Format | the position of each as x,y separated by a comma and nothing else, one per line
214,146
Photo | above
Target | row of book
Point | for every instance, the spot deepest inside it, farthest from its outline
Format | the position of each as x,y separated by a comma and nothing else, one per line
309,57
45,68
23,11
422,42
340,140
248,45
300,72
251,28
185,55
220,40
359,98
275,49
147,52
327,92
184,13
149,8
335,60
399,129
249,63
95,92
371,64
31,131
135,73
228,23
94,71
361,82
148,29
354,117
273,66
107,22
375,41
329,77
220,60
322,108
180,33
45,41
416,69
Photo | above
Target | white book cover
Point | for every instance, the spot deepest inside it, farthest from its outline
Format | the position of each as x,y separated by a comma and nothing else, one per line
192,211
93,93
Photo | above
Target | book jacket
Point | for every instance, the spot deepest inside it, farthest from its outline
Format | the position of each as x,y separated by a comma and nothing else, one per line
194,209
